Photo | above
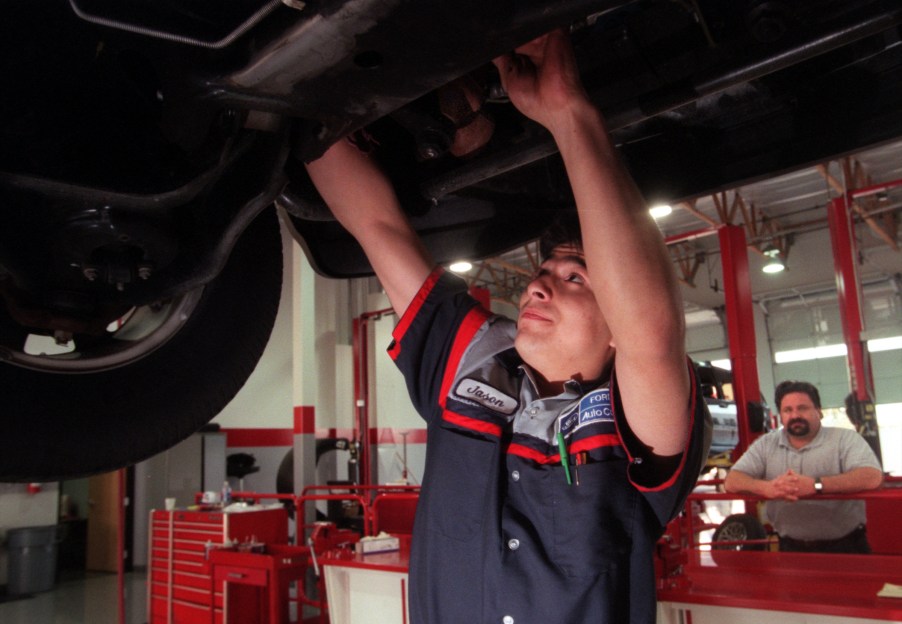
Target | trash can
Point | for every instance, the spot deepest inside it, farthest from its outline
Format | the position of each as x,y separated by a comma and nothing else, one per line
32,559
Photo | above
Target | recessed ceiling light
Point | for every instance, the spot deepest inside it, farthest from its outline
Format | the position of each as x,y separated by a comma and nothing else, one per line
460,267
660,211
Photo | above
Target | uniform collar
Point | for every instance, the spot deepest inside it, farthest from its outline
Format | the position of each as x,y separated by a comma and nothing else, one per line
515,365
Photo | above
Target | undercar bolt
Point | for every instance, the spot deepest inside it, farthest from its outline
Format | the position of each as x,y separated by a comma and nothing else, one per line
90,272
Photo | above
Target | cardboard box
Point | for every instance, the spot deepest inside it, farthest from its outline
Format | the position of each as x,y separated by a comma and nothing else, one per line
377,544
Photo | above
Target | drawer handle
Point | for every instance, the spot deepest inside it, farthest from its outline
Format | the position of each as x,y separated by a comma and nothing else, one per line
237,575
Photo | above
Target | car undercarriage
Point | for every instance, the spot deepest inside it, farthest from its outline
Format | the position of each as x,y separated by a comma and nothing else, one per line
144,146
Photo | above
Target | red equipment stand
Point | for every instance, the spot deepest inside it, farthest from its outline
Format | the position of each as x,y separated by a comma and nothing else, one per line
258,579
180,586
212,566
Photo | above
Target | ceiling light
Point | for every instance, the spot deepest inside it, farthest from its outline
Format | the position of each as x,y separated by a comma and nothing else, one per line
884,344
660,211
461,266
774,262
835,350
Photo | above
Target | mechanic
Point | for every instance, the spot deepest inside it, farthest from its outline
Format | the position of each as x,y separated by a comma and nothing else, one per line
548,477
804,459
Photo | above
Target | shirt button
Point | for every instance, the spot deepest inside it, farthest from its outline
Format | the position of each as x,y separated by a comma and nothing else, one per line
515,475
507,620
533,411
513,544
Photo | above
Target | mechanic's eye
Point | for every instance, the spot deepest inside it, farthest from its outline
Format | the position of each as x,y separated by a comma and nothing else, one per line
576,278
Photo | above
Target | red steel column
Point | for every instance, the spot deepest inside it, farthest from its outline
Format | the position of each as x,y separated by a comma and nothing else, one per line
740,328
847,287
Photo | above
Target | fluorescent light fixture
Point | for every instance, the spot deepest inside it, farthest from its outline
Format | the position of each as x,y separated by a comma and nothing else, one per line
811,353
659,211
462,266
885,344
838,350
700,318
725,364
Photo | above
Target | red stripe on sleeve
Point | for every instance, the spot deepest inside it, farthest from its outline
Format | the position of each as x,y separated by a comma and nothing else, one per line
411,312
679,470
473,424
468,328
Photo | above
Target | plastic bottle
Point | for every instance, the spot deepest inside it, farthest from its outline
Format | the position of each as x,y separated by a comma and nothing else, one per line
226,493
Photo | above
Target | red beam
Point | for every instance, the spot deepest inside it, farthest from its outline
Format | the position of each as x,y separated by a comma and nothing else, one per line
740,328
845,257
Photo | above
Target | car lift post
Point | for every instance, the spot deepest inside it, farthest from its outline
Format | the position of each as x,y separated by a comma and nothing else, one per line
848,289
740,329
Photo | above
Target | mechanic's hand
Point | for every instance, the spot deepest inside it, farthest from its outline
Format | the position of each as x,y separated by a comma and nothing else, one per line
542,79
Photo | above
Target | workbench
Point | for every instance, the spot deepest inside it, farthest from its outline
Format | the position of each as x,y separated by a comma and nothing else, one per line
368,588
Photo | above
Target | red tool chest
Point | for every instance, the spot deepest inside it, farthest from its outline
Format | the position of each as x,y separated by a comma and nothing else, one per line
180,587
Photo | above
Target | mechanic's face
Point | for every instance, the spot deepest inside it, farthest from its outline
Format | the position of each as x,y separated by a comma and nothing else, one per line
561,332
799,416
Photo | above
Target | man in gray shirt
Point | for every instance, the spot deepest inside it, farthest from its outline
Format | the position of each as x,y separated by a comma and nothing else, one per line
801,461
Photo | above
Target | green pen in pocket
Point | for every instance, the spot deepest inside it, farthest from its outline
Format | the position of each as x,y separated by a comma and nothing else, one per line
562,448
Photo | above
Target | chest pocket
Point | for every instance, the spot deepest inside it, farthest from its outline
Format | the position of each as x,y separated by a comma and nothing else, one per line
593,522
463,467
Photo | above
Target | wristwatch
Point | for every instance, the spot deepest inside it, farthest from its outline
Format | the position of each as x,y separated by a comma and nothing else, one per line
818,485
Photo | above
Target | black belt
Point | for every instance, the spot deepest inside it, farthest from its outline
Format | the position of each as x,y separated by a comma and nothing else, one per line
819,544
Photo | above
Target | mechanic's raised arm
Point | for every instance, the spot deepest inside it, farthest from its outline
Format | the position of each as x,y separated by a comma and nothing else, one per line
364,202
629,267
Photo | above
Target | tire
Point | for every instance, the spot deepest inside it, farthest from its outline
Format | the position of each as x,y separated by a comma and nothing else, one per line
58,425
739,527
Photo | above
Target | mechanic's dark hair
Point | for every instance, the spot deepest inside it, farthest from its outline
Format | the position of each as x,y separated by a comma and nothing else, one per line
564,230
785,387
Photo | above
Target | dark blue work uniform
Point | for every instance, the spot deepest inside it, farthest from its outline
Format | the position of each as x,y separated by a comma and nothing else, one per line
500,537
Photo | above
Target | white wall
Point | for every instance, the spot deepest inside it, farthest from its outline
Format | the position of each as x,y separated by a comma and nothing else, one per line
265,399
392,412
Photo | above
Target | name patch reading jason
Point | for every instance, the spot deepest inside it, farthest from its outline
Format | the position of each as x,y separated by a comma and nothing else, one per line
594,407
486,395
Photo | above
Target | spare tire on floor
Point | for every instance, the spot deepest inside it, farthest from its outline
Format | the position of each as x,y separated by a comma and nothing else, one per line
739,528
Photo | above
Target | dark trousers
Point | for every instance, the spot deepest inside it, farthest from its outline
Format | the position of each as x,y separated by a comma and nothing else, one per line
855,542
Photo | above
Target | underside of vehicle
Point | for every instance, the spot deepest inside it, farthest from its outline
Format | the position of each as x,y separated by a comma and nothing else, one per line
145,144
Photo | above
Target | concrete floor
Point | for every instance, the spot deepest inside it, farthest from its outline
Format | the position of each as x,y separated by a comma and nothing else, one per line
82,599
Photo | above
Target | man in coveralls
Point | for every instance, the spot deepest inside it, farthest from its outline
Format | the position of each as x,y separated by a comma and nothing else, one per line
560,446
